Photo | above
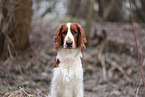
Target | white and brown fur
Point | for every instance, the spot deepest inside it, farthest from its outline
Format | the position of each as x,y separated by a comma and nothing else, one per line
67,80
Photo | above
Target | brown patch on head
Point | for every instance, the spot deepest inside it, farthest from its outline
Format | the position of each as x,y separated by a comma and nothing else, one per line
59,36
81,38
57,63
75,33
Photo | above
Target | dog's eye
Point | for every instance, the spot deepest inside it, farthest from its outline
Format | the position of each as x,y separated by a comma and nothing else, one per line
74,32
64,33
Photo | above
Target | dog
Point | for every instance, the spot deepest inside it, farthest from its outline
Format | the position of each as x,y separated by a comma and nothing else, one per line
67,80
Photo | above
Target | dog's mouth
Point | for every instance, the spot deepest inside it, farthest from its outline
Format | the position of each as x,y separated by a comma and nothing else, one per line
69,47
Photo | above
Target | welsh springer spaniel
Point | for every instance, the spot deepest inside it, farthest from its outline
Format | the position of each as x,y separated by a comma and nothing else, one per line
67,80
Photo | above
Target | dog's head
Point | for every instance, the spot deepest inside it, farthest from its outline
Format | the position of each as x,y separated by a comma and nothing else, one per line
69,36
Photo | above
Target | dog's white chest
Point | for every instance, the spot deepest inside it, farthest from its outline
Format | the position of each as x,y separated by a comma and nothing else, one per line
66,75
67,78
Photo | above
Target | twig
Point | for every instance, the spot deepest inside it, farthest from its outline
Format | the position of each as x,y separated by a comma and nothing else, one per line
1,82
10,46
138,89
10,52
136,44
115,65
49,9
44,55
29,95
101,58
101,48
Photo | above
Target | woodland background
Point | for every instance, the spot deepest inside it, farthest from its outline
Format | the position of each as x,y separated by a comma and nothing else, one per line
110,61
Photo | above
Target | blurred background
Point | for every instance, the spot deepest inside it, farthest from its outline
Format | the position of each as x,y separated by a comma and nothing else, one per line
110,60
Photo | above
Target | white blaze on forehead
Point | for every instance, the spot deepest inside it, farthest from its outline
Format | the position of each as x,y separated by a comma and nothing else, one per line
69,35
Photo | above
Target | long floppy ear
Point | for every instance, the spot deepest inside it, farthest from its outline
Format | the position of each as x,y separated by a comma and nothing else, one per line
57,38
82,38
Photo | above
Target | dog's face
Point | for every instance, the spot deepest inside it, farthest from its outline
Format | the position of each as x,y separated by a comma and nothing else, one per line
69,36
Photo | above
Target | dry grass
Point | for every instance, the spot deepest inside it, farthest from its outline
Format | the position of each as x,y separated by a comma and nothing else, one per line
19,93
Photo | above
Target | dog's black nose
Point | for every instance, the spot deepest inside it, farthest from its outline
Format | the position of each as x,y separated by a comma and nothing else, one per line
69,43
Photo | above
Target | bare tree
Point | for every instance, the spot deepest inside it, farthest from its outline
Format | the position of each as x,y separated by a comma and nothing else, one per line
143,5
143,9
101,8
111,10
15,26
139,11
73,7
89,18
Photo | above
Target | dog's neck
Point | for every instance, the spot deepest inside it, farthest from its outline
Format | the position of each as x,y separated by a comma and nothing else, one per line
69,57
65,53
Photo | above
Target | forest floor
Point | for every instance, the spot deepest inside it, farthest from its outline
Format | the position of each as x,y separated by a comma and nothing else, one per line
119,76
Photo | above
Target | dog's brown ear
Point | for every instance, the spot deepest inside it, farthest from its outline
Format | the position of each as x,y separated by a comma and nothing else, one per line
57,38
82,38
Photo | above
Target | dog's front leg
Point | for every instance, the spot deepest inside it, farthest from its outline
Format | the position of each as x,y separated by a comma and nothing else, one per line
54,84
53,92
79,91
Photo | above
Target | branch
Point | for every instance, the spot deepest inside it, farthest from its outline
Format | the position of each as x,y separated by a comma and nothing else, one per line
136,44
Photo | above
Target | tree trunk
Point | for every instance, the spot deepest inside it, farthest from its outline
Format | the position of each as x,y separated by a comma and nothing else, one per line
143,8
101,8
89,19
73,7
143,5
15,26
113,10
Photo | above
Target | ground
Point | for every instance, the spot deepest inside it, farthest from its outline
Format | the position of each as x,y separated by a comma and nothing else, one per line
29,73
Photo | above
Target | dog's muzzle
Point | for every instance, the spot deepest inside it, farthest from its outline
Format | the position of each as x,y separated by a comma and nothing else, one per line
69,44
